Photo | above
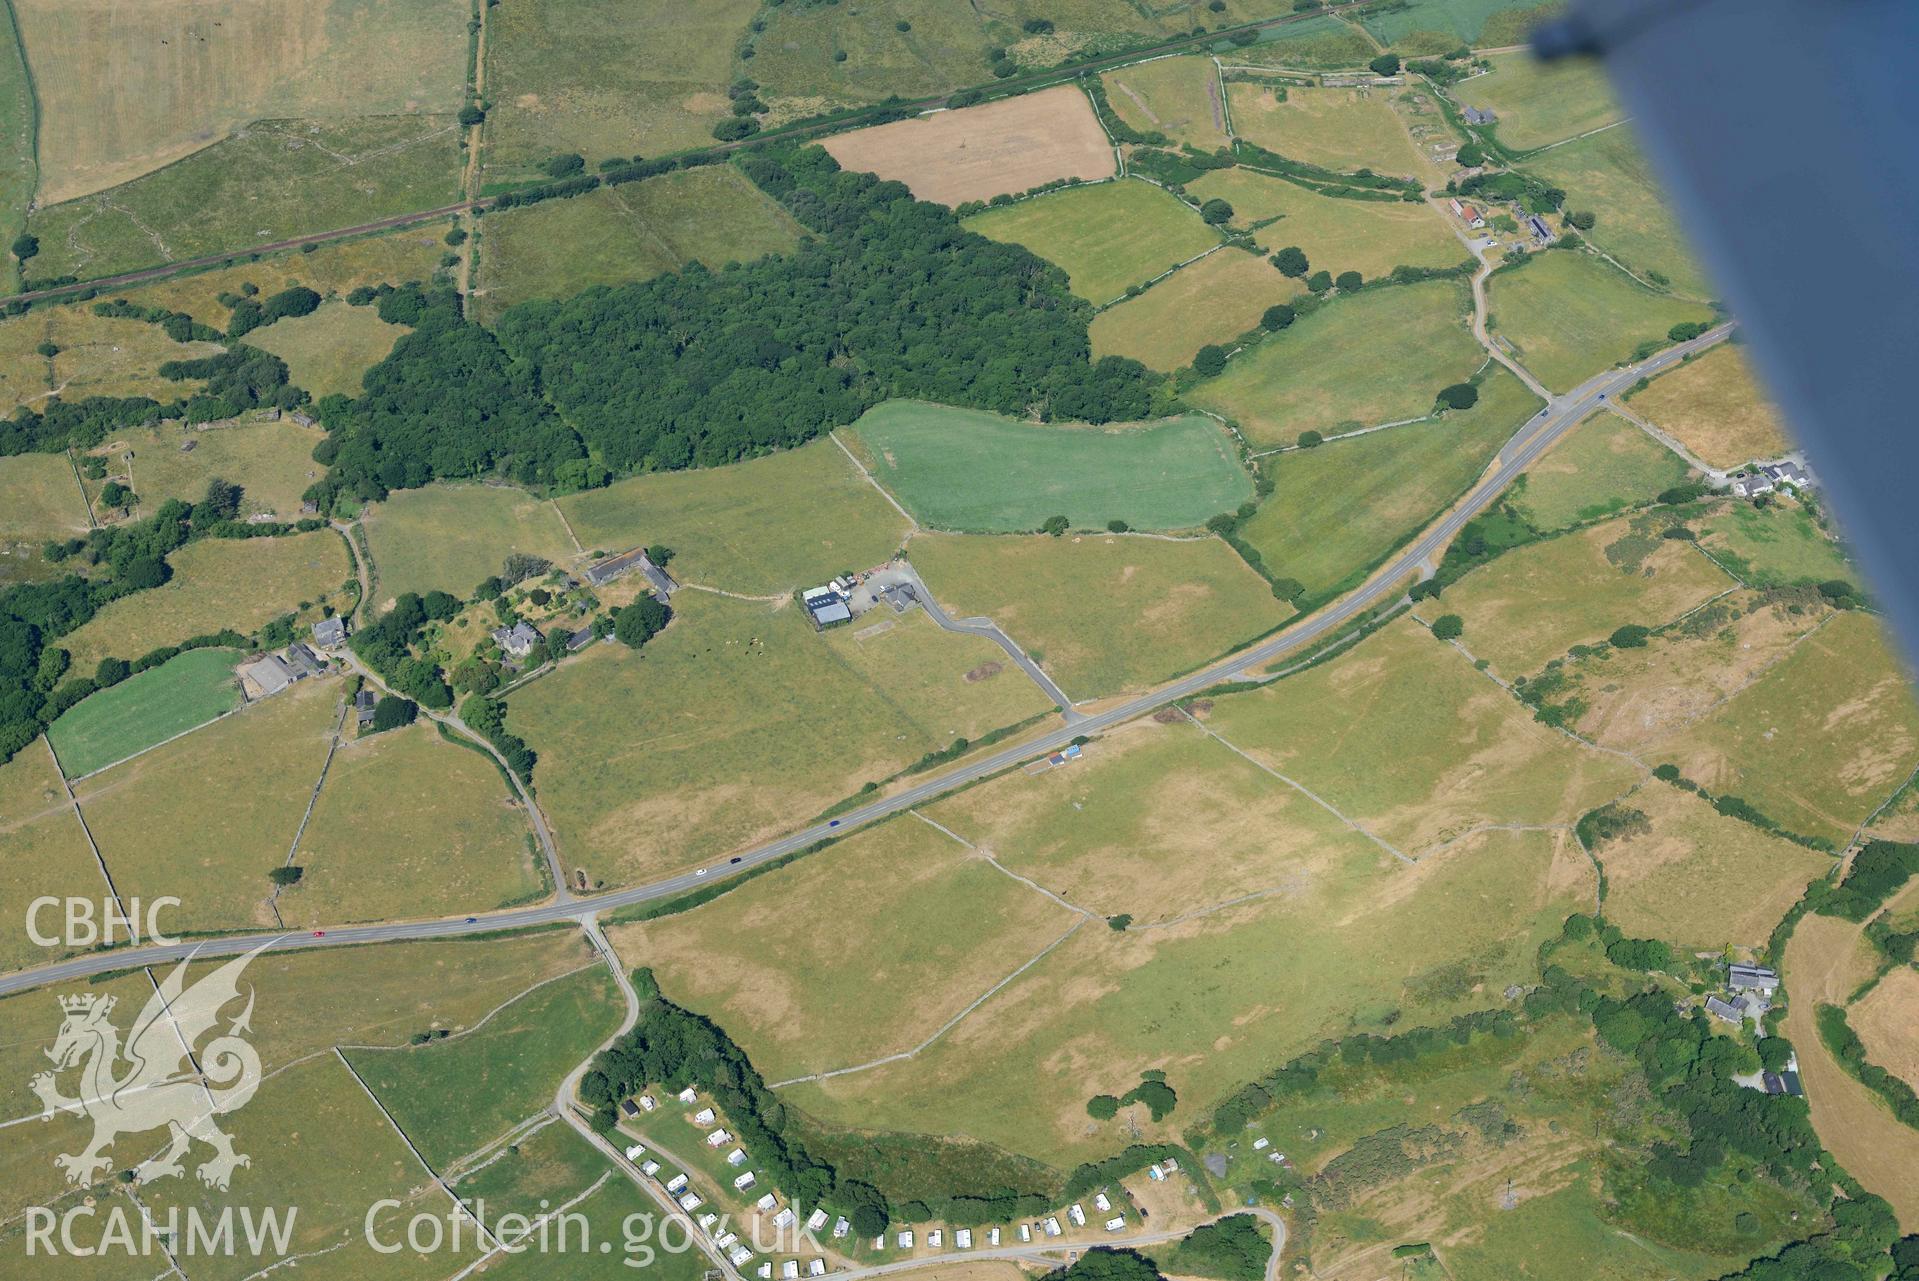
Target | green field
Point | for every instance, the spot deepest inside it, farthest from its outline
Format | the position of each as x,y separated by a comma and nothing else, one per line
40,498
762,527
1608,174
713,215
1379,356
960,469
1714,406
1817,742
940,925
1323,41
734,725
145,709
1340,509
553,1165
1370,237
1214,300
203,818
1569,315
1535,602
1604,465
238,583
408,824
606,77
1775,545
610,1212
1179,97
1537,103
1103,613
328,351
1107,237
454,1096
450,537
274,180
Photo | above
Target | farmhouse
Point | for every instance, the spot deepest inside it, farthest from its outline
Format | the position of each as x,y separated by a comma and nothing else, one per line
1472,216
1752,485
1788,472
363,704
1475,116
330,633
579,640
303,662
518,640
1722,1011
1752,978
1786,1082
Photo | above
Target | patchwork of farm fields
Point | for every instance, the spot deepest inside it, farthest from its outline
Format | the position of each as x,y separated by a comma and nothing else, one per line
271,181
1368,236
960,469
1338,509
1340,129
272,463
450,538
1539,103
1379,356
1571,315
1608,175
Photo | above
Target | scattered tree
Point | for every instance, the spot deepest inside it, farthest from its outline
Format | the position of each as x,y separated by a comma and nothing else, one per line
1584,219
1320,281
1215,211
25,247
1055,525
1209,360
1349,281
1291,261
1310,439
393,712
222,498
564,165
641,621
285,876
1449,627
1102,1107
1277,317
1631,636
1117,527
1459,396
1386,64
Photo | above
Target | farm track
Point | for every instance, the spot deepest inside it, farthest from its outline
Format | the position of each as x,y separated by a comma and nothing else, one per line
1528,443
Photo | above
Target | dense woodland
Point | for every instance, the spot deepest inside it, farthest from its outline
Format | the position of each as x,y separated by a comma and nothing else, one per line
889,297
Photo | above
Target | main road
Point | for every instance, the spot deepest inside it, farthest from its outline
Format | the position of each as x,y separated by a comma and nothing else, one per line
1519,453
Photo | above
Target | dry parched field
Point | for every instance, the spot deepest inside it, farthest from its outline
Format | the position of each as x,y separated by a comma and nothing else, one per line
1821,967
931,928
1343,129
1714,406
1665,882
1536,602
1103,613
1887,1020
980,152
1818,742
1213,300
126,88
1179,97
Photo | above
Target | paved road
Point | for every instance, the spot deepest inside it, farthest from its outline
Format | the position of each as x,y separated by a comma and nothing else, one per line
1520,452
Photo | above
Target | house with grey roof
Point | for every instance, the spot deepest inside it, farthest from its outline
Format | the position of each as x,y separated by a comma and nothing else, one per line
268,674
329,633
1752,978
518,640
363,705
303,662
1477,116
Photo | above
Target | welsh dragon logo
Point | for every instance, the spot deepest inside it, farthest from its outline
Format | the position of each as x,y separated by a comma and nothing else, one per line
157,1079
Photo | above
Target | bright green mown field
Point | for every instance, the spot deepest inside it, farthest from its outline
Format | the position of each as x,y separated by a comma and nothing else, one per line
712,215
1107,237
1339,509
1379,356
1604,465
961,469
1488,23
145,709
454,1096
1569,315
272,181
